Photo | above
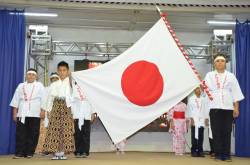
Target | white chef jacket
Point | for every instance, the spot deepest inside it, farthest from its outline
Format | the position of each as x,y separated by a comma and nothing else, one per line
197,109
28,99
80,106
224,88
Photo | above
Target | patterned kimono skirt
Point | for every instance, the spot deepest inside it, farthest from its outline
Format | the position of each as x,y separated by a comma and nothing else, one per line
179,141
43,130
60,133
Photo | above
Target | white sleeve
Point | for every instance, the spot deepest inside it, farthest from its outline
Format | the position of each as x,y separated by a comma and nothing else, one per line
48,101
236,91
74,93
43,96
185,111
16,98
208,81
205,108
189,109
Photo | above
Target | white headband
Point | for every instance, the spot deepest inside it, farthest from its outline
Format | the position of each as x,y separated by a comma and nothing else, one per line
54,76
219,58
31,72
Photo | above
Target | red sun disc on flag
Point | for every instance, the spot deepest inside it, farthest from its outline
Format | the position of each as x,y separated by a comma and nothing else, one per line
142,83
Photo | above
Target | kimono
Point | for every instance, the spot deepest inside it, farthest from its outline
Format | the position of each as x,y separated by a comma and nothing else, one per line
177,114
60,132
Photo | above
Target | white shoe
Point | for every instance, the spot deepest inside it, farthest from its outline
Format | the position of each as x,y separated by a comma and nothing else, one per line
63,157
55,158
59,158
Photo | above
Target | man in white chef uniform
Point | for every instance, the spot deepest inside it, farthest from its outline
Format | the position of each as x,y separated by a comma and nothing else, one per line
26,103
224,107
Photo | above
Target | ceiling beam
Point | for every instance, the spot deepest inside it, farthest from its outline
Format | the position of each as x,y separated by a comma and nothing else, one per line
125,6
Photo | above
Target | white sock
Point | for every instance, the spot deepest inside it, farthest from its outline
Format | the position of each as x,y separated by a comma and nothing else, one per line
59,153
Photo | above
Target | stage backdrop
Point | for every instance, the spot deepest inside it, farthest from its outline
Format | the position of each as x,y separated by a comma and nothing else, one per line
242,35
12,46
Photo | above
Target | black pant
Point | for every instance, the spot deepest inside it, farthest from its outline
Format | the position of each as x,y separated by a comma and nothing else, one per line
27,136
197,144
82,137
221,125
211,143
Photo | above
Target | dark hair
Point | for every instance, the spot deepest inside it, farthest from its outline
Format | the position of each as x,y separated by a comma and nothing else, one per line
63,64
54,73
220,55
32,69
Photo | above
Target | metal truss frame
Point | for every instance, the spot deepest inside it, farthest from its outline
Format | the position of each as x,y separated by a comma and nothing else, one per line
108,51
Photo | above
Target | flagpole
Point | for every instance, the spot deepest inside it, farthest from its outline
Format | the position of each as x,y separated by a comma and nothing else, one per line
181,47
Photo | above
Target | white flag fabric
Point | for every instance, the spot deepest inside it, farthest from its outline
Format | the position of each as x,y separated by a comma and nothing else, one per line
139,85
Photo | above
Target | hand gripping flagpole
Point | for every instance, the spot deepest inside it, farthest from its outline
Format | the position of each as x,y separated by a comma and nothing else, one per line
177,41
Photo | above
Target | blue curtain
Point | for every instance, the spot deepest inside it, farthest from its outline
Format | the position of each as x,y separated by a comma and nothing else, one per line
12,47
242,132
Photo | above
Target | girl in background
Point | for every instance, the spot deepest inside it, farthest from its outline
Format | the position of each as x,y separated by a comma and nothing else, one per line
178,127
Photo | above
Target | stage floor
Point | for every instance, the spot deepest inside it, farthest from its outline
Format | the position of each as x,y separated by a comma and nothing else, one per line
131,158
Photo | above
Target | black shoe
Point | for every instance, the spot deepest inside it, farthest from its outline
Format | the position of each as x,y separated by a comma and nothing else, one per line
84,155
194,154
78,155
212,154
217,158
18,156
29,156
228,159
201,154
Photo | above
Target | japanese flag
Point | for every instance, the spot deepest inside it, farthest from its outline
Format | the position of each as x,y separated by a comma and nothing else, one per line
139,85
